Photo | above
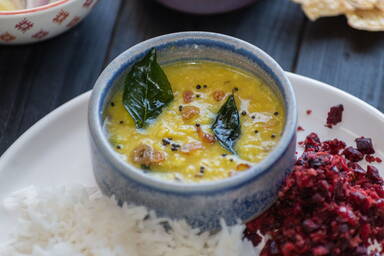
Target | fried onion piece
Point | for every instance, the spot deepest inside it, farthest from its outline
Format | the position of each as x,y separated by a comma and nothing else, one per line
242,167
190,147
218,95
205,137
146,155
189,112
187,96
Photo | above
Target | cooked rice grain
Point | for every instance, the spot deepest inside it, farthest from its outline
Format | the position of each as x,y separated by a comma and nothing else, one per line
79,221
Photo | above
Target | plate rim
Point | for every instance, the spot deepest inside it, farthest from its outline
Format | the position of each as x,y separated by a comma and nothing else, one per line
40,124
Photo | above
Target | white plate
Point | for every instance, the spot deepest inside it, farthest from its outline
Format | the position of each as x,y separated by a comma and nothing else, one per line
55,150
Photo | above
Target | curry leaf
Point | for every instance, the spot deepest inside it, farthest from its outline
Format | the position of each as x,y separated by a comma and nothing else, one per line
227,127
146,90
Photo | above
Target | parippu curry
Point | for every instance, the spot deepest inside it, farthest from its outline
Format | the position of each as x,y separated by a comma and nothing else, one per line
180,143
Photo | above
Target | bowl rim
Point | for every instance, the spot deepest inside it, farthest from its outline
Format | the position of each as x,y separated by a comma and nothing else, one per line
39,9
112,71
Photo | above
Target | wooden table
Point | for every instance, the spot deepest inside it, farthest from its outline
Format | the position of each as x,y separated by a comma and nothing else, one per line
36,79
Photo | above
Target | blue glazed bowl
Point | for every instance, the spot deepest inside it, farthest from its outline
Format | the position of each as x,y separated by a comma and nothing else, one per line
240,197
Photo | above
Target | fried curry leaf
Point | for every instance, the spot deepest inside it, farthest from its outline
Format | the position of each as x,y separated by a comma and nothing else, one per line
146,90
227,127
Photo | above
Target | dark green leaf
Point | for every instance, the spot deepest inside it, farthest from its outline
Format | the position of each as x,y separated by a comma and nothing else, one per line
227,127
146,90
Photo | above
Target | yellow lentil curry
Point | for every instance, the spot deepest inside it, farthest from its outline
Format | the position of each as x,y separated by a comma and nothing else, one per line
180,141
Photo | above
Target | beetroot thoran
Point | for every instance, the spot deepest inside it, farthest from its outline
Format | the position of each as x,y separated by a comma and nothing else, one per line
328,205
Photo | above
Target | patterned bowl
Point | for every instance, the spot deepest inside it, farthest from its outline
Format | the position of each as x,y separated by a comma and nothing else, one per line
41,23
240,197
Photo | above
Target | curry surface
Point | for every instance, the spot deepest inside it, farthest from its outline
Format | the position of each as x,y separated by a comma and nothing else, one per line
261,116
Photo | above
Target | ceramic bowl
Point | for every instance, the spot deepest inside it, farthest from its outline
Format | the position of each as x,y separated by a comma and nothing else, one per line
206,6
41,23
240,197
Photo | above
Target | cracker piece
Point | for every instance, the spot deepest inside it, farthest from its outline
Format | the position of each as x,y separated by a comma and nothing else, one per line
372,20
319,8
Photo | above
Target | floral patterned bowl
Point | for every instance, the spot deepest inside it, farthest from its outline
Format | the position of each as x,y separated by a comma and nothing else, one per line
41,23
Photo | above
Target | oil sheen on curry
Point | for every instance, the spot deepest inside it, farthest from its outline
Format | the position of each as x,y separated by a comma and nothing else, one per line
193,121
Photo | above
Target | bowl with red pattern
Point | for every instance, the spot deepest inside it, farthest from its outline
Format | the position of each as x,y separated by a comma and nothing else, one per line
41,23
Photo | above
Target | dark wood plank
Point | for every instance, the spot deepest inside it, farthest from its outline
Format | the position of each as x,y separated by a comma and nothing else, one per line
140,20
349,59
35,79
273,25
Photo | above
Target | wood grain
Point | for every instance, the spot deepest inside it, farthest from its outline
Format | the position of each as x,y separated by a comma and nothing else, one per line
35,79
140,20
348,59
273,25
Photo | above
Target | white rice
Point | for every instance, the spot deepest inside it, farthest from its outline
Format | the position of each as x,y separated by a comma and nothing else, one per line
79,221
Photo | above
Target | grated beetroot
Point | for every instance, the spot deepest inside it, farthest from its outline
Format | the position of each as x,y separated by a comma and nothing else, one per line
353,154
328,205
370,159
335,115
365,146
300,129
